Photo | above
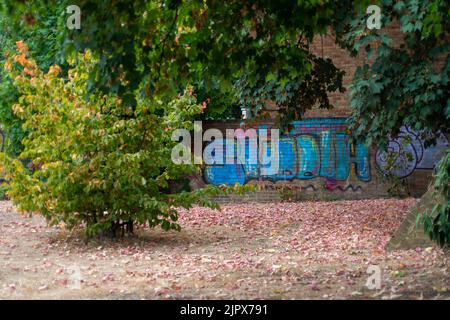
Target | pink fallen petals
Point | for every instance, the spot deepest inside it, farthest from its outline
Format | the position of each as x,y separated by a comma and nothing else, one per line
253,251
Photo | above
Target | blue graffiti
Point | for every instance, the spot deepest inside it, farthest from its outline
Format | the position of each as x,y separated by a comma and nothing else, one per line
314,148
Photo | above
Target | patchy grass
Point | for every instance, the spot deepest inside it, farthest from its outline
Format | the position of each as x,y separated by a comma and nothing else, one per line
246,251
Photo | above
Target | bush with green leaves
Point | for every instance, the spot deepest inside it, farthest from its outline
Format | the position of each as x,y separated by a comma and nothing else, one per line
95,161
436,222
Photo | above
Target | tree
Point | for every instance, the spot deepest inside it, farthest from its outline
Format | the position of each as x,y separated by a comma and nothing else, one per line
234,53
90,151
407,85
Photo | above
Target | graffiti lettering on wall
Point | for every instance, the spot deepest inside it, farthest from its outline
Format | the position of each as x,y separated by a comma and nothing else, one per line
314,148
407,153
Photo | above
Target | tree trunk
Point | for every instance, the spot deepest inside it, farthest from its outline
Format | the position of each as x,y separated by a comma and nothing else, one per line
408,236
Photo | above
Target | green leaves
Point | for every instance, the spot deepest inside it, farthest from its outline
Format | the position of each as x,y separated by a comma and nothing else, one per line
439,218
404,84
235,54
407,84
94,161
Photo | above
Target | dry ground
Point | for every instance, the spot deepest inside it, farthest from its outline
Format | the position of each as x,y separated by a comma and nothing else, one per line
278,251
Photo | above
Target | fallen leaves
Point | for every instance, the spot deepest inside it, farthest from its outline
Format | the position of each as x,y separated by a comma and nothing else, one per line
284,250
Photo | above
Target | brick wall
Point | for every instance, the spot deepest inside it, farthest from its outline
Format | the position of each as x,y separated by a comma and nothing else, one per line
325,46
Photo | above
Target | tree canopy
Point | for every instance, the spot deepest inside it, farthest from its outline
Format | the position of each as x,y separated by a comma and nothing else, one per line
235,54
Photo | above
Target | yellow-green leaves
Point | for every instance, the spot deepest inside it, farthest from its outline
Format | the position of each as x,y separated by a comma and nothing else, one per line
91,159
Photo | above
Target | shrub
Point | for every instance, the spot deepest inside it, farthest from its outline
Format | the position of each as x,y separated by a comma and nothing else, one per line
95,161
